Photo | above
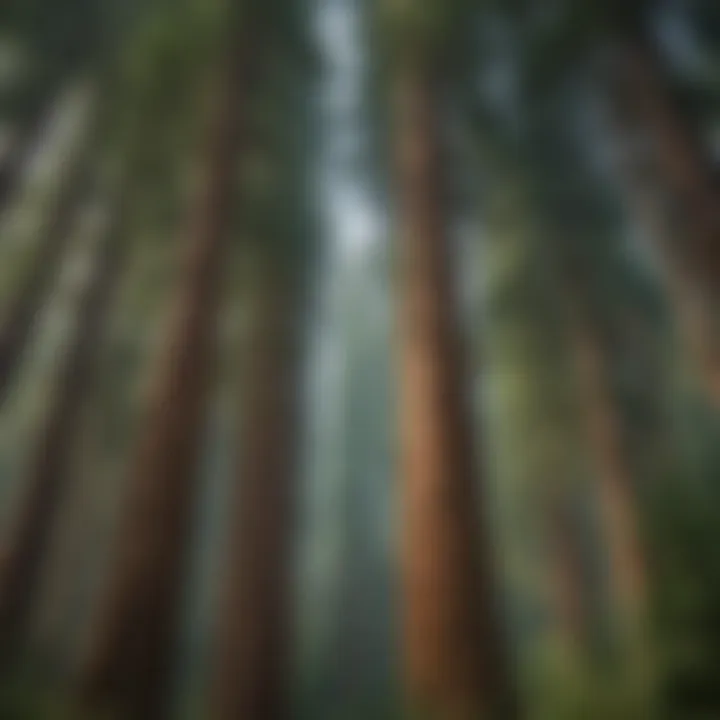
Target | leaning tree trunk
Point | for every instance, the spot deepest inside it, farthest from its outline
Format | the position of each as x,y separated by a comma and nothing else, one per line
569,573
21,566
19,318
251,664
131,650
455,661
689,204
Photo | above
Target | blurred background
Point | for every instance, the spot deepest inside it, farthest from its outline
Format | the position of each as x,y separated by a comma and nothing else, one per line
360,359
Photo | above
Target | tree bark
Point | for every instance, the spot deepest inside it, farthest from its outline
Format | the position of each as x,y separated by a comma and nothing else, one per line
686,218
251,660
22,564
129,664
454,655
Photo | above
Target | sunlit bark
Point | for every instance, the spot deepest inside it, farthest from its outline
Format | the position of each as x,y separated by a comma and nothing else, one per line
453,644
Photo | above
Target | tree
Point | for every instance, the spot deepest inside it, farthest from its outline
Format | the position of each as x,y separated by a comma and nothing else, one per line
251,653
127,668
20,570
454,654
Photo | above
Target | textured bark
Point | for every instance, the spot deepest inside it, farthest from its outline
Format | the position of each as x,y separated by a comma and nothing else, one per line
21,565
455,661
130,658
686,216
250,678
18,321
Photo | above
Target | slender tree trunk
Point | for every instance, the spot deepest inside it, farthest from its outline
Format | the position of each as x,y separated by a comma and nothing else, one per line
21,566
615,475
569,577
18,321
130,658
688,214
251,662
455,660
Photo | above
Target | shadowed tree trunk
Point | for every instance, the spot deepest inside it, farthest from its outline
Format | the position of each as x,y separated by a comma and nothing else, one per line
251,660
131,650
616,488
687,208
48,474
455,660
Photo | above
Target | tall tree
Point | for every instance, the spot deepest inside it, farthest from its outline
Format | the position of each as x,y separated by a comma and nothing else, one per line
251,670
251,660
20,570
668,163
130,657
455,661
672,192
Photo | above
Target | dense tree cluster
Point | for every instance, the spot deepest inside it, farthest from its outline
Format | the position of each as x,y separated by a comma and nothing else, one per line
359,359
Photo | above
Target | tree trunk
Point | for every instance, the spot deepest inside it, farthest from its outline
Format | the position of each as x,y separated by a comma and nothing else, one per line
251,659
688,216
18,321
361,649
21,566
130,659
614,471
570,582
455,660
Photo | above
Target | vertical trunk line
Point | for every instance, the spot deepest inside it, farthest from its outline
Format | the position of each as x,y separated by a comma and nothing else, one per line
47,478
129,663
251,670
454,656
691,245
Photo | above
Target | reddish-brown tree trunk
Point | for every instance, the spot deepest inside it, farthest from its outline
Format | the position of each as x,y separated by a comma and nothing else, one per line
130,659
686,217
20,567
455,660
251,662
